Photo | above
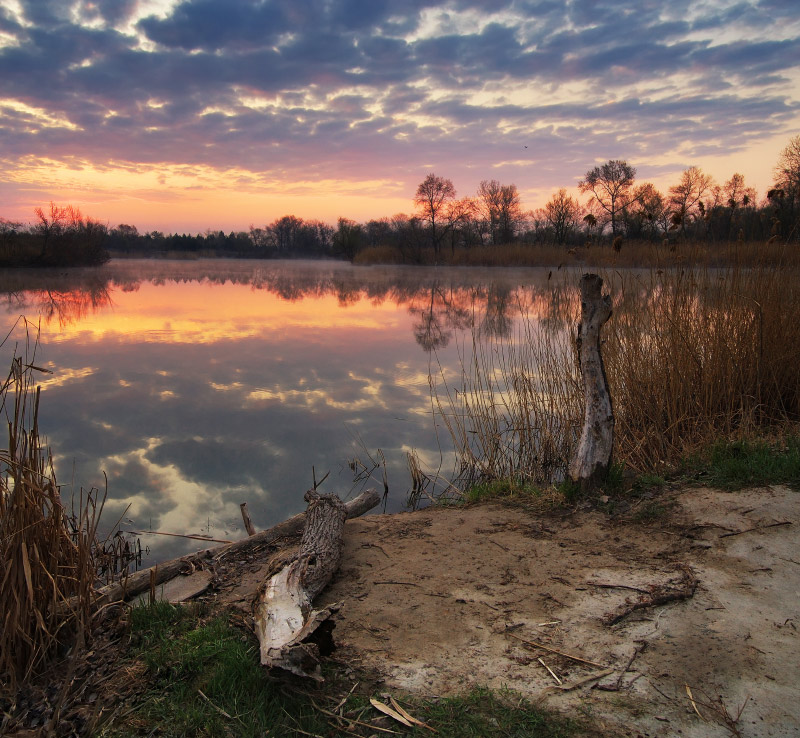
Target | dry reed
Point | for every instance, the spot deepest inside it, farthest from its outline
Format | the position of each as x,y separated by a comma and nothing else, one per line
513,410
692,355
47,566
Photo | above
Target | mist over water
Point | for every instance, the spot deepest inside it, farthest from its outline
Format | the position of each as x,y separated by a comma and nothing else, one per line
196,386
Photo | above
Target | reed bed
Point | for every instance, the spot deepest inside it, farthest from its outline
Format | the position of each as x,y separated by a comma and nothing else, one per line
594,253
47,554
695,355
692,355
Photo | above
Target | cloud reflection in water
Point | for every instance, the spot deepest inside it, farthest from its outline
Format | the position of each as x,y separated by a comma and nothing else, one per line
198,386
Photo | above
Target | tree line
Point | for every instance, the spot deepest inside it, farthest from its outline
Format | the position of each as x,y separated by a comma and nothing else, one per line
617,206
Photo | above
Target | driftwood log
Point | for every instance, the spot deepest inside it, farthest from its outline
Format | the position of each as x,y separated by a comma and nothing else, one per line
593,457
284,617
141,580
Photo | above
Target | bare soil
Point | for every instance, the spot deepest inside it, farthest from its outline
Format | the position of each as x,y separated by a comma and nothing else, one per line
444,599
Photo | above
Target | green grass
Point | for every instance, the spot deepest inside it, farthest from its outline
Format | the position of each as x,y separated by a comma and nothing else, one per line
185,652
498,488
484,714
737,464
184,656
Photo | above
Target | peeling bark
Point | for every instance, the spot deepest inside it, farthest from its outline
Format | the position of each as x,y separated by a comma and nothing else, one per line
593,456
284,617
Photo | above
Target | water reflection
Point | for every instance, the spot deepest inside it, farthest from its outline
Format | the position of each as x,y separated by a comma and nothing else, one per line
197,386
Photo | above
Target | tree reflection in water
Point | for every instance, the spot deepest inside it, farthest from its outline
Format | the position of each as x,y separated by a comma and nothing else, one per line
198,385
440,300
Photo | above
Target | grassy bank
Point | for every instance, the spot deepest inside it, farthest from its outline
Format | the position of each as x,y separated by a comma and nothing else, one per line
203,679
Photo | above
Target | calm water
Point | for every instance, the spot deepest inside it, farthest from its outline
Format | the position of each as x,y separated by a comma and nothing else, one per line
199,385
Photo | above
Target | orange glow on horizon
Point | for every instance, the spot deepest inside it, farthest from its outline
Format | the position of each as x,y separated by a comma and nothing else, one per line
175,198
192,199
199,312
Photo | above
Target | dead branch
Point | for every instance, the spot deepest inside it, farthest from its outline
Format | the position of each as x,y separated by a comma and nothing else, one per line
247,520
659,594
140,581
757,527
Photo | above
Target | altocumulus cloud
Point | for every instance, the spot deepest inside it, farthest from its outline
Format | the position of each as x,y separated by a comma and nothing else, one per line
350,90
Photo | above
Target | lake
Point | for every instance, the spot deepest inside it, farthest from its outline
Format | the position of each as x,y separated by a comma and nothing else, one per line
198,385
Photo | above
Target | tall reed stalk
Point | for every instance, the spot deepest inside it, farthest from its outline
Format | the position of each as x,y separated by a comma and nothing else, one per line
513,409
47,567
691,355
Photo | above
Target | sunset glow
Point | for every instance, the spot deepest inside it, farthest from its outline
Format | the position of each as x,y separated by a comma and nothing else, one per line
199,313
187,115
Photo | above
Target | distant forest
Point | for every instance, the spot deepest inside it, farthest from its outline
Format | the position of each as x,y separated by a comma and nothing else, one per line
617,208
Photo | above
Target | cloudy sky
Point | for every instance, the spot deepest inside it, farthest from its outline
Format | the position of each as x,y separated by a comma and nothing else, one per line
184,115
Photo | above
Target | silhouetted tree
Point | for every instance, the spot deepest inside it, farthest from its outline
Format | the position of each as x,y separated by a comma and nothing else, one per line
787,170
500,207
563,213
648,213
610,185
785,195
347,239
686,198
431,197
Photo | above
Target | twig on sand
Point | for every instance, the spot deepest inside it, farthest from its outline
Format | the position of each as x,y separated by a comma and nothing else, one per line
618,586
658,595
584,681
757,527
536,644
552,673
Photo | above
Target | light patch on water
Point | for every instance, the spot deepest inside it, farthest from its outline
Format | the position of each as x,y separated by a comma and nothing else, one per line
62,377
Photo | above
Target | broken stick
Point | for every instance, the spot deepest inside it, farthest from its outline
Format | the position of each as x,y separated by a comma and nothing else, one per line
247,520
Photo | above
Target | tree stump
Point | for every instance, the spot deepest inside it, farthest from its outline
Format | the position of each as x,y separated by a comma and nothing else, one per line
590,464
284,617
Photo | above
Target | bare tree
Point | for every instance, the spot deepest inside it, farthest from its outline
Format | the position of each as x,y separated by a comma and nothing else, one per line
460,217
347,239
510,213
8,235
563,213
787,170
610,185
737,194
686,198
432,196
501,210
785,194
648,212
489,204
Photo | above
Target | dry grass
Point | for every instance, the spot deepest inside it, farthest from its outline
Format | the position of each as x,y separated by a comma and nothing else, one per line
696,355
692,355
513,410
598,254
47,566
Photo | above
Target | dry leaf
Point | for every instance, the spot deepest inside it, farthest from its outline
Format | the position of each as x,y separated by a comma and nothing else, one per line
386,710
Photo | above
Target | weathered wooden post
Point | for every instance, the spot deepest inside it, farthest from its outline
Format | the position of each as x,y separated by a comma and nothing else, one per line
590,464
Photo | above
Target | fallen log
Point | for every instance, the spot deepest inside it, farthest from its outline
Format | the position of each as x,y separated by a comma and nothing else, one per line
140,581
593,456
283,612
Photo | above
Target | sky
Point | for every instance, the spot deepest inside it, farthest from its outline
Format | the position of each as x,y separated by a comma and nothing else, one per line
186,115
